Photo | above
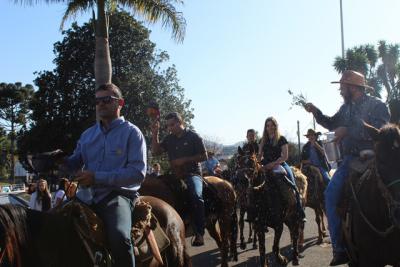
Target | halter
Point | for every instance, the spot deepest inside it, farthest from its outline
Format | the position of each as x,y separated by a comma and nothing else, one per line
389,201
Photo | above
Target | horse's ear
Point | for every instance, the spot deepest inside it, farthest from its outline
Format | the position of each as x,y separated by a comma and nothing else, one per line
240,151
371,130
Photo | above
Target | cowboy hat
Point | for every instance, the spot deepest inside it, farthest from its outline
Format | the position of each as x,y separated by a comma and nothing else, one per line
354,78
312,132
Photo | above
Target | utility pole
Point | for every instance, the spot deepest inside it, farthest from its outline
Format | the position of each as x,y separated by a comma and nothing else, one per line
298,140
341,27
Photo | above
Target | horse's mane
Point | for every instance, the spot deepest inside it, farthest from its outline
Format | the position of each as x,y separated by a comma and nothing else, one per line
389,133
13,232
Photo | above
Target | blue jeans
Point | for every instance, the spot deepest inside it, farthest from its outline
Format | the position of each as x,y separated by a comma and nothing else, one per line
195,188
325,175
292,183
116,213
332,197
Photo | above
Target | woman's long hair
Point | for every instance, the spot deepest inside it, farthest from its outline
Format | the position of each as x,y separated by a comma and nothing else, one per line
277,135
44,196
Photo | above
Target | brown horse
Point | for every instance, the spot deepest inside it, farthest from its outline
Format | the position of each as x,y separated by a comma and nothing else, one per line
372,222
32,238
275,206
243,184
315,199
220,200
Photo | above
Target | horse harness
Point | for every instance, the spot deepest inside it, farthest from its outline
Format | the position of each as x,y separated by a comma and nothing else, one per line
384,189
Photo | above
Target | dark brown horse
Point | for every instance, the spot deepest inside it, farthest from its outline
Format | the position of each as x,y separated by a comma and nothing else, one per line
275,206
220,200
32,238
243,184
372,221
315,199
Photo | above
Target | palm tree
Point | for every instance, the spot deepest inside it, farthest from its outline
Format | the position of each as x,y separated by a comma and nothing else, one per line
381,67
152,10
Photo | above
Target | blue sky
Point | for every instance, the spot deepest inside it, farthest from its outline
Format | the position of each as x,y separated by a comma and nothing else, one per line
238,59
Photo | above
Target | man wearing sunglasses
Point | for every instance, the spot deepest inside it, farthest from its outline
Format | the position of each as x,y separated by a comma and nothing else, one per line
111,161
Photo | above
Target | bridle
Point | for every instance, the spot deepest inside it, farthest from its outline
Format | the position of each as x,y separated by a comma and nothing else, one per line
389,200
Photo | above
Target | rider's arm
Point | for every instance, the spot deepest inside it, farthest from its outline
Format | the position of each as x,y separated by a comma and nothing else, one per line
327,122
284,155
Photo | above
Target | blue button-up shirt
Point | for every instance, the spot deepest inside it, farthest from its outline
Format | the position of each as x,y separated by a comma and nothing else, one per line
116,156
351,115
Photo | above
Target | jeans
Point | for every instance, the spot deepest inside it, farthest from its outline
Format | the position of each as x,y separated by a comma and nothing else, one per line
325,175
332,197
116,213
195,188
292,183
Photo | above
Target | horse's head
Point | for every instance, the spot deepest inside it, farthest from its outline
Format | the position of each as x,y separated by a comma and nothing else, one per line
387,157
247,166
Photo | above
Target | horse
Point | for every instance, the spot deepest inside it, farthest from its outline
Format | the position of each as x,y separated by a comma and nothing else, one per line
315,199
65,237
371,223
274,209
220,203
243,184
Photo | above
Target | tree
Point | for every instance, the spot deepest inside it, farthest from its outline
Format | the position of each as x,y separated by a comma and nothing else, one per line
14,100
63,106
151,10
381,68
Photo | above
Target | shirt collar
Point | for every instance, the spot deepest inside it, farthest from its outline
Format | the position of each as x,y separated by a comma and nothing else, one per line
115,123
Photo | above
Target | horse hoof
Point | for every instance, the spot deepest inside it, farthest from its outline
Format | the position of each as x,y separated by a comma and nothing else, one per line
249,240
242,246
320,240
255,246
282,260
295,262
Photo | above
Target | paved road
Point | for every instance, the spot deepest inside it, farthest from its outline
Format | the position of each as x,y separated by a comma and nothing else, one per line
313,255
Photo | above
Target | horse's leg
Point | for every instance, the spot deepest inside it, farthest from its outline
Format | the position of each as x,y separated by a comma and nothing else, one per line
323,216
294,235
241,226
261,246
224,227
233,235
254,239
214,233
250,239
319,220
301,236
275,248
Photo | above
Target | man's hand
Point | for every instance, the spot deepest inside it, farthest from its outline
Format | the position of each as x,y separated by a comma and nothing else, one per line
340,133
309,107
85,178
155,127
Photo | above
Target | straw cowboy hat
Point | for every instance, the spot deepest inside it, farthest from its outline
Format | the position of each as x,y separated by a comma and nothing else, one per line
354,78
312,132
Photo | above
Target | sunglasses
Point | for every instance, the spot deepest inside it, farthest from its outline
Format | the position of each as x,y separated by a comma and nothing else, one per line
105,99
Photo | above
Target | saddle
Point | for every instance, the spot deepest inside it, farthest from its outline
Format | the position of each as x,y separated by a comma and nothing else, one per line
178,187
147,236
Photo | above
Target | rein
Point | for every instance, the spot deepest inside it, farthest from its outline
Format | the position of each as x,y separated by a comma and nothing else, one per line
389,201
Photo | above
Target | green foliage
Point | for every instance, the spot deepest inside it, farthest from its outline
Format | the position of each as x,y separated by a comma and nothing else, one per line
381,67
63,106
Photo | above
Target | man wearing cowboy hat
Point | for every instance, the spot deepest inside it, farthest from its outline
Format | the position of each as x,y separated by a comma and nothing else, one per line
313,154
349,130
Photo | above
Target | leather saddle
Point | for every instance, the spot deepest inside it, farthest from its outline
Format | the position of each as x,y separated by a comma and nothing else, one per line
148,237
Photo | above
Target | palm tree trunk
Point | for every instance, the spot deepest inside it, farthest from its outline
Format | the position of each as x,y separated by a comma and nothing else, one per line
102,60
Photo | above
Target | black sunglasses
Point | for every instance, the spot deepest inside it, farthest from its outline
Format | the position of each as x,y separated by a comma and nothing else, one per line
105,99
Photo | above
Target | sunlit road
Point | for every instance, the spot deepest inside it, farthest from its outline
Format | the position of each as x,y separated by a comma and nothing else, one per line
313,255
